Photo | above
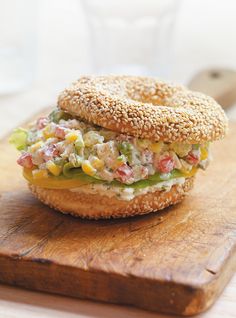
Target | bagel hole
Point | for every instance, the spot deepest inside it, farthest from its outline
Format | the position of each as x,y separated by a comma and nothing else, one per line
154,100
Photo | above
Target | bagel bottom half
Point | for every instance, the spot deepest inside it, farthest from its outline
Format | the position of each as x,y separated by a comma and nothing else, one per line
94,206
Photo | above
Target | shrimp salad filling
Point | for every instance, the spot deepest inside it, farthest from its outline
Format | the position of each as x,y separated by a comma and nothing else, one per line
64,152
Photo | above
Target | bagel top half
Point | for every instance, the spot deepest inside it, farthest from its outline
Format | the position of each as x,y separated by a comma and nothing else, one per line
145,107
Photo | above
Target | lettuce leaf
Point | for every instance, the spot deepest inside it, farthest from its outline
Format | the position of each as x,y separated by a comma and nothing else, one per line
71,172
19,138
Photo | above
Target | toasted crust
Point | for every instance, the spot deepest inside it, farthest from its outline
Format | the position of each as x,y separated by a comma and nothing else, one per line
146,108
93,206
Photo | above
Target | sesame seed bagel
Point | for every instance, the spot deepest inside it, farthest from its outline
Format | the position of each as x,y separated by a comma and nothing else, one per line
93,206
145,107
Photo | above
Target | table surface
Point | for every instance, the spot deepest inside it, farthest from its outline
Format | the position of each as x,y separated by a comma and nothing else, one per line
54,75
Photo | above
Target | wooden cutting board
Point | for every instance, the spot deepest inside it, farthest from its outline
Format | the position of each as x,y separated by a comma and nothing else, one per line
177,261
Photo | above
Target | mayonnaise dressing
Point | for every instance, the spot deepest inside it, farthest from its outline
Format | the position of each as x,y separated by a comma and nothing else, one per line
128,193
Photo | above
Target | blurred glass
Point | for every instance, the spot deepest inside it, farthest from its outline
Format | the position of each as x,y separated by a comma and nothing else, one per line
131,36
18,37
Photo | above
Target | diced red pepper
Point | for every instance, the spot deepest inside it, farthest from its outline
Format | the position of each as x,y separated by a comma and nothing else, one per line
124,173
165,164
193,158
41,122
25,160
60,132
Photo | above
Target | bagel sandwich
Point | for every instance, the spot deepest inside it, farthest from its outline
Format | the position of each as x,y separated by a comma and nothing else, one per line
118,146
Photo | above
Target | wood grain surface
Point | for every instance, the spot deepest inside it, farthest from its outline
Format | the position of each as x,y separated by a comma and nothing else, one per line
177,261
